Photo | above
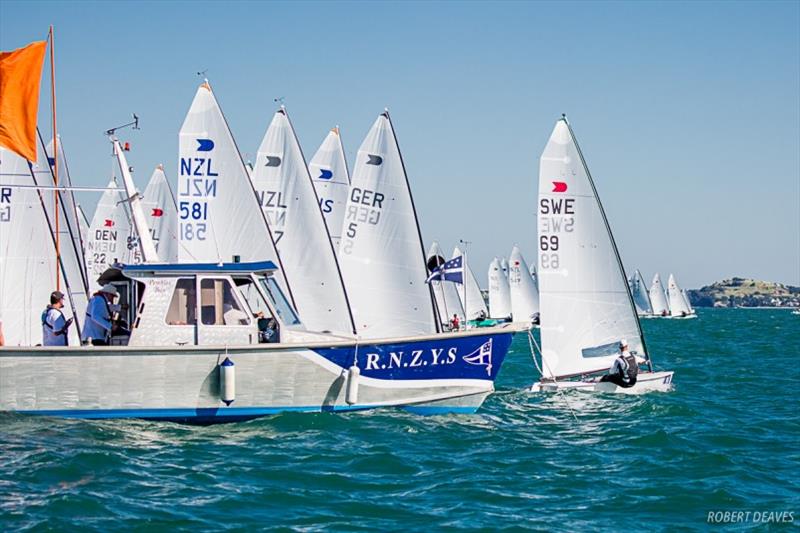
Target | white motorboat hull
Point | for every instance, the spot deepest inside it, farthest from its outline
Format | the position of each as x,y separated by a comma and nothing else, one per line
646,382
435,374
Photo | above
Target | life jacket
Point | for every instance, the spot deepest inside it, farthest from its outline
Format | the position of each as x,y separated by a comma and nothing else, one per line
633,367
46,324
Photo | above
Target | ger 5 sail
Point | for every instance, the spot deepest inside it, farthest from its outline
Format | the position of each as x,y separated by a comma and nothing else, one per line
586,307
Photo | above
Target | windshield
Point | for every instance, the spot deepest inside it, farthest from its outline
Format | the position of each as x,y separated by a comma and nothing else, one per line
282,306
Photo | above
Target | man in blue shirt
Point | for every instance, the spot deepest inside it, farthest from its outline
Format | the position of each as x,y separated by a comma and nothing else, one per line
97,329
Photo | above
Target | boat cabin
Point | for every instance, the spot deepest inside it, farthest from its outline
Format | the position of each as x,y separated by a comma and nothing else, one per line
200,304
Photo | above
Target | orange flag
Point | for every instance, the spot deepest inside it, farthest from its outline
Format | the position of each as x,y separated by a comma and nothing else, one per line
20,77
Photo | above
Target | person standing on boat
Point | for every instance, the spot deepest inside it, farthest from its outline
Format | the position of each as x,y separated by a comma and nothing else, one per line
454,323
54,324
625,368
99,317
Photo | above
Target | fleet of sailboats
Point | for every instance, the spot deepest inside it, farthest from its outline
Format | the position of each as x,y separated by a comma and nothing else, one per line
313,283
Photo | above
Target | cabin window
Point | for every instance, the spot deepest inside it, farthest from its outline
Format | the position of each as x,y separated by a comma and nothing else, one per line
282,306
219,305
183,307
268,330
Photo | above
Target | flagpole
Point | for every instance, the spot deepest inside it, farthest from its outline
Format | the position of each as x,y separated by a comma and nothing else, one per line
55,154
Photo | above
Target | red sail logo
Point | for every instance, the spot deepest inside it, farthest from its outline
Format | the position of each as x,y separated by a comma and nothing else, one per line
108,223
157,212
559,186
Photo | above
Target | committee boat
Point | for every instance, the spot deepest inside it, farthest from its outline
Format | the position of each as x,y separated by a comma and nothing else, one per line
586,304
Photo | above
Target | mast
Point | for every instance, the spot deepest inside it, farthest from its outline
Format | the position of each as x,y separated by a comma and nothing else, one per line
51,36
149,254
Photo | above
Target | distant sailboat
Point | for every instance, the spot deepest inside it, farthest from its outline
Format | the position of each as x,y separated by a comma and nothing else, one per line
470,293
448,302
291,207
585,301
658,299
641,296
688,301
381,253
331,179
524,294
678,305
162,216
499,292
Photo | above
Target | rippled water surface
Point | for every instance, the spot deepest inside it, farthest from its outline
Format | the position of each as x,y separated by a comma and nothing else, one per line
727,438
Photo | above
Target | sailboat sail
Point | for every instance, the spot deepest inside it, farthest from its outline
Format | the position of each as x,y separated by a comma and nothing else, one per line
641,296
499,292
28,263
83,224
586,307
331,179
219,217
524,295
381,253
162,216
448,302
677,303
287,196
112,238
470,293
688,301
658,298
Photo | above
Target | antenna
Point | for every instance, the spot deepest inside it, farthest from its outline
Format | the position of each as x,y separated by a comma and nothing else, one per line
202,73
134,124
279,100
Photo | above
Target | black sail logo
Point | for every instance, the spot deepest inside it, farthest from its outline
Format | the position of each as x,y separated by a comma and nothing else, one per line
374,159
273,161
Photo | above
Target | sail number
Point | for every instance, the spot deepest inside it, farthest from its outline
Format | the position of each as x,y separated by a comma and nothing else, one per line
198,184
556,216
5,204
363,207
190,213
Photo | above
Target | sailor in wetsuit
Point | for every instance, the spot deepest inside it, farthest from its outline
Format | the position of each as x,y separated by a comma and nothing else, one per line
625,368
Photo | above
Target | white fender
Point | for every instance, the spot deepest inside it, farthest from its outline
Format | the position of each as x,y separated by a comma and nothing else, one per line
351,396
227,381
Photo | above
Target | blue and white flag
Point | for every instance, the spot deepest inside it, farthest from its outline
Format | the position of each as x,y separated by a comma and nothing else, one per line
452,270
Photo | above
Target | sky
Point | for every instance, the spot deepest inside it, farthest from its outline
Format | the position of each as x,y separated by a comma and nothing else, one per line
688,113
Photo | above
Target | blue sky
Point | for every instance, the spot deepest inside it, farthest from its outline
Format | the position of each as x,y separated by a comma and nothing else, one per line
688,113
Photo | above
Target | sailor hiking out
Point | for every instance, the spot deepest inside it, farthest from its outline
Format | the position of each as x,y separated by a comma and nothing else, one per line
54,324
625,369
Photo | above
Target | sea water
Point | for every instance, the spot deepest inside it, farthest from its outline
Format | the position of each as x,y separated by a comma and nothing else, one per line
726,440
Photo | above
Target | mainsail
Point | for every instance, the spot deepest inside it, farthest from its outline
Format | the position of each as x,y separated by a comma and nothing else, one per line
641,296
219,217
470,293
111,238
331,179
162,216
287,196
678,305
524,294
381,253
658,298
448,302
586,306
499,291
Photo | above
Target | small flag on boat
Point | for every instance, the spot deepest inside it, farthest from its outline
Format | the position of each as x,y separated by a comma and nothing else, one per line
20,77
482,356
452,270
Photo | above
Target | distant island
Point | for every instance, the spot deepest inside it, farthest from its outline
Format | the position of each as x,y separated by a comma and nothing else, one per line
742,292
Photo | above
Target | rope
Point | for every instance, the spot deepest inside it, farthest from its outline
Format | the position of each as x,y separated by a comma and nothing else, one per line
531,343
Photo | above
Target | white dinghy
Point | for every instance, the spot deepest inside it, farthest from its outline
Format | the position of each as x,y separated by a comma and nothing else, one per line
331,179
658,298
585,301
291,207
678,304
445,292
499,292
524,294
641,296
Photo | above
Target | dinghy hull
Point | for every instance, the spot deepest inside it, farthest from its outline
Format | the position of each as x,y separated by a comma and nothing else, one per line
646,382
436,374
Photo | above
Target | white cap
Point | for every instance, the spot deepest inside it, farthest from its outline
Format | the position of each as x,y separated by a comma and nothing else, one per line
623,342
110,289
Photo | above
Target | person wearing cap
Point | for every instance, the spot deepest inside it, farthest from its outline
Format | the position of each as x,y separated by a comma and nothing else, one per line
54,324
625,368
99,324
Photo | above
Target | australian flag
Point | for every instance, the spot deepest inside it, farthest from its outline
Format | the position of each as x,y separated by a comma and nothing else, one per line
452,270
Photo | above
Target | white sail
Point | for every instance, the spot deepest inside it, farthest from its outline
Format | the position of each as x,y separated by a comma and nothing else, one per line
678,305
112,238
585,303
499,291
331,179
286,194
524,295
641,296
381,254
448,302
162,216
218,213
688,302
658,298
83,224
470,293
28,264
504,266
